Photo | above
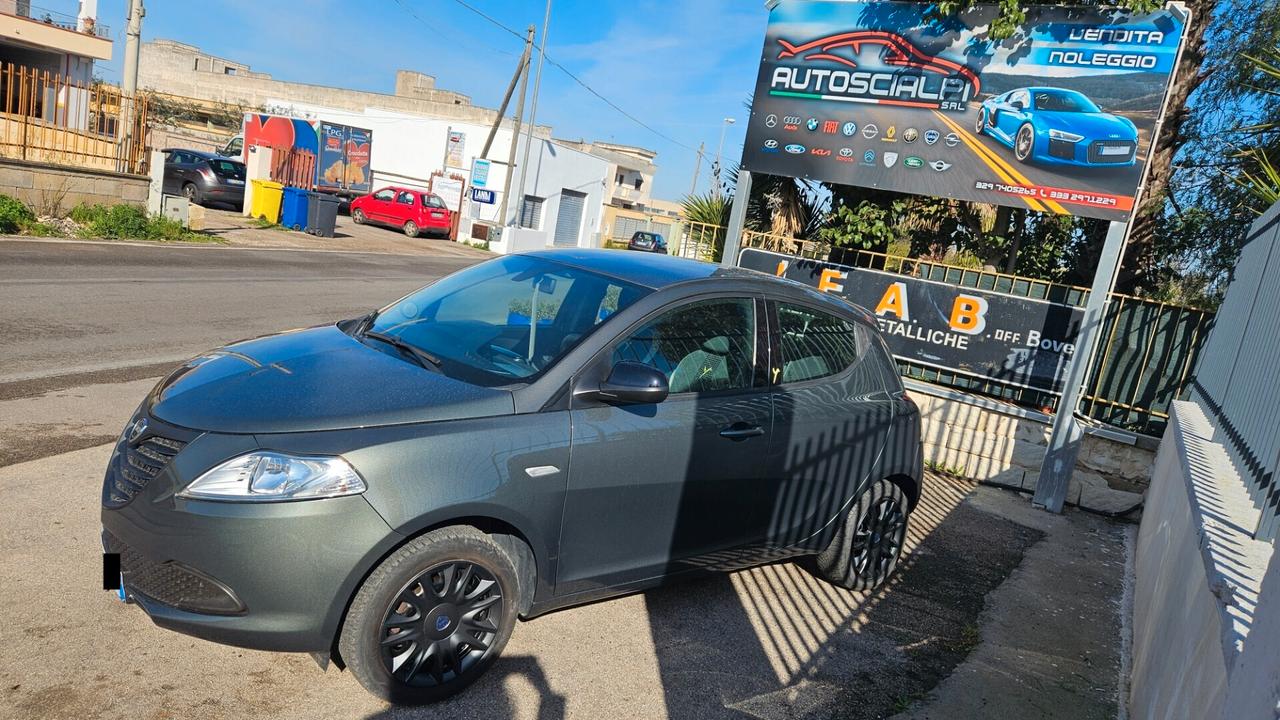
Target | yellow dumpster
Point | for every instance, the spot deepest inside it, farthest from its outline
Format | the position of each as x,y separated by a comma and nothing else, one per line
266,200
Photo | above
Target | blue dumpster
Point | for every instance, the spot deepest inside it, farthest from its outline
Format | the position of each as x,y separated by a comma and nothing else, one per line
293,208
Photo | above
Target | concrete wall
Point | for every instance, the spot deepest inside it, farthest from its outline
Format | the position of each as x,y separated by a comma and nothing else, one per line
991,441
1206,633
171,67
55,190
552,169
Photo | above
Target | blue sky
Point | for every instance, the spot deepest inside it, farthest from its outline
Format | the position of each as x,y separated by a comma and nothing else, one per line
680,66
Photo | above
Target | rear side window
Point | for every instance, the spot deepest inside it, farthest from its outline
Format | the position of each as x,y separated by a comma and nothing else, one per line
815,344
432,201
704,346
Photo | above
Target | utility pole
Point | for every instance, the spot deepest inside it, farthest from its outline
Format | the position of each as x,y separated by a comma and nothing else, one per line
697,168
533,111
506,98
523,72
719,156
132,47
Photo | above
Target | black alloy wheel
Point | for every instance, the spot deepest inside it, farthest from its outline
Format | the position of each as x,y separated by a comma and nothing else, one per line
441,624
432,617
865,550
192,193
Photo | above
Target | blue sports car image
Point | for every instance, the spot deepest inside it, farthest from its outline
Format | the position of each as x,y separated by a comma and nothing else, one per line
1055,126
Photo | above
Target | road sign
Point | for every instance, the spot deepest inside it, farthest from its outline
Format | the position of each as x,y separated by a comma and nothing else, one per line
480,173
481,195
1060,121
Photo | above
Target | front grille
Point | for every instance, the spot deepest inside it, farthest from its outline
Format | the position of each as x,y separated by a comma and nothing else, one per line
171,583
1096,156
135,464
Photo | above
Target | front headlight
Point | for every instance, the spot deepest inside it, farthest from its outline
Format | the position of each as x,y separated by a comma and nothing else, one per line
1066,136
269,476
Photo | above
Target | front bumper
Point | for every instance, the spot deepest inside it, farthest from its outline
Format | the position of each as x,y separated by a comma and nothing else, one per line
290,567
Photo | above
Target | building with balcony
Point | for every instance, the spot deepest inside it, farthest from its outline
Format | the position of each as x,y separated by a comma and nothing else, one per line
632,170
64,46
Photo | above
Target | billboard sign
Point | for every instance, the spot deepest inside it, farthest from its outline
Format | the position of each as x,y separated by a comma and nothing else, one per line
1016,340
480,172
455,149
1058,118
481,195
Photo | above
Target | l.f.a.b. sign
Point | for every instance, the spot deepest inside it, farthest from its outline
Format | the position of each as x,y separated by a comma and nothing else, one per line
481,195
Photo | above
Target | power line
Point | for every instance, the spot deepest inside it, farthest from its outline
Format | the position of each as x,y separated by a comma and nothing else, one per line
578,80
440,34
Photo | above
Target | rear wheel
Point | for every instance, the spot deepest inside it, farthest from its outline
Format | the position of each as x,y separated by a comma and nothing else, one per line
865,550
432,617
411,229
357,216
192,193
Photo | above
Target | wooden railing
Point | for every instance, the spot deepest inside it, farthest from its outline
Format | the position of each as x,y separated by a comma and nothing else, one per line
48,118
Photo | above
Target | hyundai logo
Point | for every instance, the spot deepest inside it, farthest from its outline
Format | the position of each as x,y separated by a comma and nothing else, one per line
442,623
137,429
771,143
795,149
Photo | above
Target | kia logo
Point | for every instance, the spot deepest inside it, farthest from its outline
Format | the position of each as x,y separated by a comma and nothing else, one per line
795,149
820,152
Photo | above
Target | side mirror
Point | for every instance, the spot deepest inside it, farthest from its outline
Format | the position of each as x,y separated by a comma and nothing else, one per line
633,382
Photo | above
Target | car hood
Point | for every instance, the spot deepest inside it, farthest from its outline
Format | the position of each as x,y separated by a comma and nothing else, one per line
314,379
1094,126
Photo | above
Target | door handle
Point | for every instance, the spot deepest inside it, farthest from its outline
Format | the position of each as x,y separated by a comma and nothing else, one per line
741,431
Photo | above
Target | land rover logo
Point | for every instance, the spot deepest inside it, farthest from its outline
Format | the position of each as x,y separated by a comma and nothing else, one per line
795,149
913,162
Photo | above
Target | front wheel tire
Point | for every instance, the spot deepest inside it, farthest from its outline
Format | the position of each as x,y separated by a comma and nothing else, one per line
357,216
866,548
432,617
411,229
1024,143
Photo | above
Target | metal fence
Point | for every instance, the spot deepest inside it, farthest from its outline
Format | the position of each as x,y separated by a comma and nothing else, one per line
700,241
1238,378
47,118
1144,363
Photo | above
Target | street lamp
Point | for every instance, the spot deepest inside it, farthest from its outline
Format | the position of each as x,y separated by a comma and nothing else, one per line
720,151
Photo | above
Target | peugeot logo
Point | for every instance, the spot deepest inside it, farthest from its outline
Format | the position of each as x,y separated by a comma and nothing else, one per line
442,623
137,429
795,149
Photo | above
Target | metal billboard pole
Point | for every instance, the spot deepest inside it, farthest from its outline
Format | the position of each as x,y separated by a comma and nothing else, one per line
737,219
1064,439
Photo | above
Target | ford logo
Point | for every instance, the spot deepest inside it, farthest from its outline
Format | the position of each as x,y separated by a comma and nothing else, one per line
795,149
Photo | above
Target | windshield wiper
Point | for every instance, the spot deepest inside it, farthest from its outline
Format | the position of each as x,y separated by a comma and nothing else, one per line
422,357
364,323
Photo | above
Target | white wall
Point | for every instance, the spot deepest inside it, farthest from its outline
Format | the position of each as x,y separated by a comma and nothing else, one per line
552,169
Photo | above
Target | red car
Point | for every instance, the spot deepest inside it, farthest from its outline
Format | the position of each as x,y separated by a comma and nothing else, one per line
413,211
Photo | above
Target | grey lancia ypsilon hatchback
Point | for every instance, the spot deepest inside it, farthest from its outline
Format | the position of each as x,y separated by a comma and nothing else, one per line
542,430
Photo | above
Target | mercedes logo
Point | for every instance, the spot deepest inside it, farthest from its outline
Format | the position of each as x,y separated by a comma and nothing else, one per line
771,121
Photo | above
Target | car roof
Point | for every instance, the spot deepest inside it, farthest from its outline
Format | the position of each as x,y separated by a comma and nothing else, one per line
658,271
202,154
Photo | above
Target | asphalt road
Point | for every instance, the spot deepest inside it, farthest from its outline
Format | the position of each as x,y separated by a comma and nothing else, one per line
88,328
74,308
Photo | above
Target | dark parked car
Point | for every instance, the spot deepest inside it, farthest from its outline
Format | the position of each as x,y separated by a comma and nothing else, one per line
538,431
204,177
647,242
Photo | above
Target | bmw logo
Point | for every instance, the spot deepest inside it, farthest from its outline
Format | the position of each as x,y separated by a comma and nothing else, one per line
931,137
795,149
442,623
849,129
812,124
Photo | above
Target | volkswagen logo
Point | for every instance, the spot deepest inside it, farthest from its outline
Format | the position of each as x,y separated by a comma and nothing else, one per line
795,149
137,429
849,129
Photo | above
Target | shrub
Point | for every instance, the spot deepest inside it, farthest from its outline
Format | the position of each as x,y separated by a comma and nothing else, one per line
87,214
14,215
39,229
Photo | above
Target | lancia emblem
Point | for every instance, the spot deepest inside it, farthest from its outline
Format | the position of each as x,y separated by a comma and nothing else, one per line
137,429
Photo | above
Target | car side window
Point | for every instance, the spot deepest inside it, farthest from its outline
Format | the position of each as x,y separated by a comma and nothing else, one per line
815,344
705,346
432,201
384,195
405,198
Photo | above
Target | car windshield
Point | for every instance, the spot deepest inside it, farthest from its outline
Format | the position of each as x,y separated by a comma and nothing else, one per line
506,320
1064,102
